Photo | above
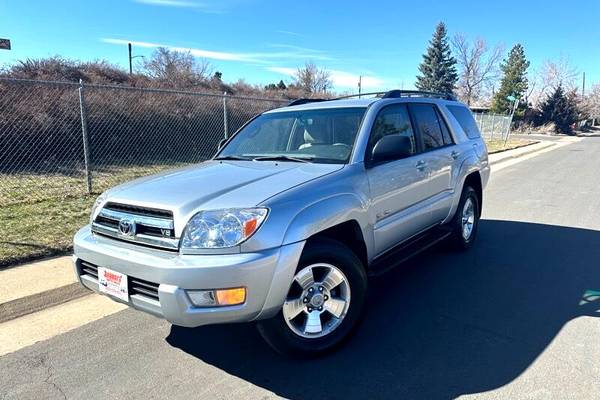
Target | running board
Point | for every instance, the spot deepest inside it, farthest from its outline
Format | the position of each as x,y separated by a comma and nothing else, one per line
404,251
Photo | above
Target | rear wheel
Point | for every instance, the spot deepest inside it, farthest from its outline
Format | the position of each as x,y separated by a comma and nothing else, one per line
323,305
466,220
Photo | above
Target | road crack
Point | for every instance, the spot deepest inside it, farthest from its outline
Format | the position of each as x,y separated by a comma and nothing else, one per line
49,374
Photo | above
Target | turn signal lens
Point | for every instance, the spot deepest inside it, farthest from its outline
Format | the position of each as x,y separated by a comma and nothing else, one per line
231,297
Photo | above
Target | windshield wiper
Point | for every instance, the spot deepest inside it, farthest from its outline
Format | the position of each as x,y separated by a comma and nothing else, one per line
282,157
234,157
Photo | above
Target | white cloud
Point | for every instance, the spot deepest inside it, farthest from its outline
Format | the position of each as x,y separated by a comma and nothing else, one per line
283,70
341,79
172,3
289,33
292,52
347,79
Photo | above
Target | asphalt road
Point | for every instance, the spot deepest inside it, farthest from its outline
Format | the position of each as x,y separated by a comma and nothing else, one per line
512,318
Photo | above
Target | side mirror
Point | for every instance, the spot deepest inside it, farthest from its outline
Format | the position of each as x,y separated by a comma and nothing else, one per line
391,147
221,143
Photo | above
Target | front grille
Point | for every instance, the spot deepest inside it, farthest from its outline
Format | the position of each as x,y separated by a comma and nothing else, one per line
151,226
89,269
145,211
142,287
135,285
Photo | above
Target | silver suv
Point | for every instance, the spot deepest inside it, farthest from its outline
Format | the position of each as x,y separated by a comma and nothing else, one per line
290,218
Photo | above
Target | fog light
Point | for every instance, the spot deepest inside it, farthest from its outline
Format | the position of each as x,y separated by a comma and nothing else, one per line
202,298
219,297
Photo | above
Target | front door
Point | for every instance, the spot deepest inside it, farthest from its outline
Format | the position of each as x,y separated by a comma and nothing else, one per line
398,187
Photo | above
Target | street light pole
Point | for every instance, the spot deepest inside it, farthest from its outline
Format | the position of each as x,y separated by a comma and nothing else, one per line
359,85
130,66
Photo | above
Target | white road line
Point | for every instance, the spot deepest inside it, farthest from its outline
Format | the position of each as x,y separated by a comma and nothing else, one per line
30,329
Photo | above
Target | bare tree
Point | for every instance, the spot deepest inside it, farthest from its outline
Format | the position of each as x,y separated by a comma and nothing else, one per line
590,104
312,79
478,67
177,69
551,75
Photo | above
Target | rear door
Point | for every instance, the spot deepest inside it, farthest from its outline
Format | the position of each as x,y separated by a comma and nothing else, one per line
398,187
440,154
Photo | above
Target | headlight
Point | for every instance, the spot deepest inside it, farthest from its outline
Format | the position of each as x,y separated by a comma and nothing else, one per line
218,229
96,207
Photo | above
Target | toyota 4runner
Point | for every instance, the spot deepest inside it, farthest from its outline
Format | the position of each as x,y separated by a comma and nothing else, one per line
290,218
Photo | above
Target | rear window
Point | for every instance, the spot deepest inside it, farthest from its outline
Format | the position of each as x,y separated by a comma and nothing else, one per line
465,119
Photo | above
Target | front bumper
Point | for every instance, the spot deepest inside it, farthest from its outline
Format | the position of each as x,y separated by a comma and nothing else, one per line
266,275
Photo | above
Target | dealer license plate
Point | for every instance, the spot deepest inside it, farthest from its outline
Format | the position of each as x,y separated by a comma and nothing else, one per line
113,283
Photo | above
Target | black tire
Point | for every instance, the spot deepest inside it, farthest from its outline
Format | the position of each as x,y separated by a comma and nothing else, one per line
280,336
458,240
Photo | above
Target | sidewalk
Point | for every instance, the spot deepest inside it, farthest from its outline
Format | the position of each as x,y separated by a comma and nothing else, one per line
35,286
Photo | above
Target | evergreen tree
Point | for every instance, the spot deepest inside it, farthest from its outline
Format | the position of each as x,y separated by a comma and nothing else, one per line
438,68
281,85
514,81
561,109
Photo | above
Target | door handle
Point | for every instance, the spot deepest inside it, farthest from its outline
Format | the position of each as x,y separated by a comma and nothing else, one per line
455,154
421,165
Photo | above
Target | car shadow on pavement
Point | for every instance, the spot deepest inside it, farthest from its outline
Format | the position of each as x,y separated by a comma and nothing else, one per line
442,325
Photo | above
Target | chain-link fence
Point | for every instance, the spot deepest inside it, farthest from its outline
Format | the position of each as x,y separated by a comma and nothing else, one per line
493,126
67,139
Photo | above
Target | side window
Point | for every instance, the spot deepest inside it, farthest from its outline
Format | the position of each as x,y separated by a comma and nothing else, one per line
445,131
466,121
428,125
392,120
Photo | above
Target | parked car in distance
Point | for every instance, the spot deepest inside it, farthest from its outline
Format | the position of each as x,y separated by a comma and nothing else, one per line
290,218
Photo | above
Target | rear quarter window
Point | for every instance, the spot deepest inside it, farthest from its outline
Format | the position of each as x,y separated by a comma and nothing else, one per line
466,121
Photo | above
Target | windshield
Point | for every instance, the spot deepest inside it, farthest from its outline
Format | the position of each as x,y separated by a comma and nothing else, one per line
320,136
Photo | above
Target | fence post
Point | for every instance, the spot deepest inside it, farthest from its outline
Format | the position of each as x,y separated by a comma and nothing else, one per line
493,125
86,142
481,125
225,116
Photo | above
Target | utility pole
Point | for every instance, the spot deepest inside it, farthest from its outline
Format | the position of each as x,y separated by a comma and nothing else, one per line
359,85
130,66
131,57
583,86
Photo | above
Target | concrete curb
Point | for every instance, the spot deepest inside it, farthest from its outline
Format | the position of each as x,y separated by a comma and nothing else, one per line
519,152
40,301
29,288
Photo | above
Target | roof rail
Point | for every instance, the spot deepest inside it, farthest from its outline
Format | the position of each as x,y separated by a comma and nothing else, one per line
396,93
392,94
349,96
300,101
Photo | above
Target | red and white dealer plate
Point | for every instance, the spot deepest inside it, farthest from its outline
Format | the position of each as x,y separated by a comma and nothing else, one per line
113,283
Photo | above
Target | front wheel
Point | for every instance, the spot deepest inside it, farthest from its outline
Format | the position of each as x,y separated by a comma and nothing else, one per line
466,220
324,302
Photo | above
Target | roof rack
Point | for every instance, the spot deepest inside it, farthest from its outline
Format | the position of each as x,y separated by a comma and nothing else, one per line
390,94
300,101
396,93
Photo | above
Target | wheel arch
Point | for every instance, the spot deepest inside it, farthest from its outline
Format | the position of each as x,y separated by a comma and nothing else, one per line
341,217
474,180
349,234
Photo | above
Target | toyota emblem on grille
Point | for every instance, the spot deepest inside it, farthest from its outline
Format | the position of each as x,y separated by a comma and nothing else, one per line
126,227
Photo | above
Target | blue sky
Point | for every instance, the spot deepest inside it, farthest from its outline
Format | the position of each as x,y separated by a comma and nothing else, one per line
264,41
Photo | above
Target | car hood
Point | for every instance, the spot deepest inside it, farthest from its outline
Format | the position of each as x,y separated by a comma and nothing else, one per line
216,185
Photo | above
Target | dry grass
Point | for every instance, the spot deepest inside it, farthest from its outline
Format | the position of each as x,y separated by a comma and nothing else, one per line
33,226
495,146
